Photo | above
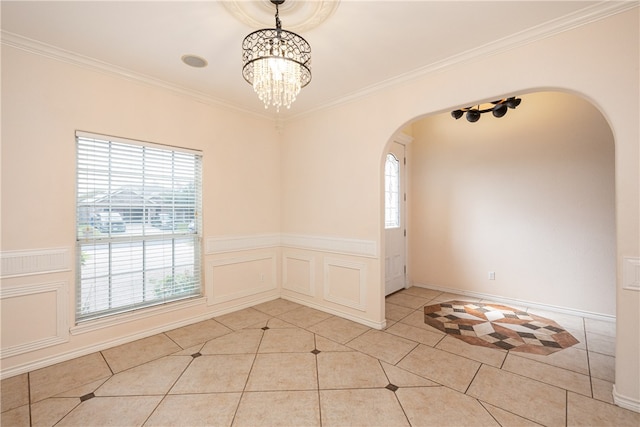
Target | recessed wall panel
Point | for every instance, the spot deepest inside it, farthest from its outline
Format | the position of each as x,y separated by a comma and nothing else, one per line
298,274
345,283
237,277
33,317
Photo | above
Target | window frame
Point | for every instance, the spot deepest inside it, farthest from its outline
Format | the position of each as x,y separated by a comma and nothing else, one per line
167,288
389,209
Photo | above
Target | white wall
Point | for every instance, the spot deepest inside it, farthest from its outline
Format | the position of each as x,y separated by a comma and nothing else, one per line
529,196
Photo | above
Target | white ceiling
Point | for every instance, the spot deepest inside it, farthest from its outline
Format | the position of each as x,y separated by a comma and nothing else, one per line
361,46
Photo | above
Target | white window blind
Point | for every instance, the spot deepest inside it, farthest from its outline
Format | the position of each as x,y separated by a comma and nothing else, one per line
138,225
391,192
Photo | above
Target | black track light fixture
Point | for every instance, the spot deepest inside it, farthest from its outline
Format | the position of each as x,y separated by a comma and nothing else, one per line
498,109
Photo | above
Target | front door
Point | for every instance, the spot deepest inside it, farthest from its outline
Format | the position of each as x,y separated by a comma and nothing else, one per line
394,222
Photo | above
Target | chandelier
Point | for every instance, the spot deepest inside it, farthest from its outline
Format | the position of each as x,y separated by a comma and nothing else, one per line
277,63
497,108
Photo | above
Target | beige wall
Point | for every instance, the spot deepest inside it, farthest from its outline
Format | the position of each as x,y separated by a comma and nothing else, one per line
305,206
529,196
44,102
332,164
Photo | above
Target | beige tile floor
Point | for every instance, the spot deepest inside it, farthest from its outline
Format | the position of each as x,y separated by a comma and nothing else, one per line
283,364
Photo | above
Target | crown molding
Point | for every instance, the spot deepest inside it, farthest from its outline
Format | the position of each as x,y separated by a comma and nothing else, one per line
593,13
52,52
596,12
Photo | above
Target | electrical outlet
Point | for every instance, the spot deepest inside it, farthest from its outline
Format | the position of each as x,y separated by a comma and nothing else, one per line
261,277
492,275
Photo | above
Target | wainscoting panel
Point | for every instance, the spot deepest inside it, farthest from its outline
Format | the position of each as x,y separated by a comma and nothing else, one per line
345,283
38,261
34,316
298,274
237,277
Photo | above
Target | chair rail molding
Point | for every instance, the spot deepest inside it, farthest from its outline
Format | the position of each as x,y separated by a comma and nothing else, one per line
35,261
222,244
338,245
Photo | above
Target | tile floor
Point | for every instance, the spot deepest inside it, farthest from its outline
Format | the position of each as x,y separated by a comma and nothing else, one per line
283,364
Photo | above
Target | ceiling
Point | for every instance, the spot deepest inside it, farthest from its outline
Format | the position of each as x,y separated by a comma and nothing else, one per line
359,47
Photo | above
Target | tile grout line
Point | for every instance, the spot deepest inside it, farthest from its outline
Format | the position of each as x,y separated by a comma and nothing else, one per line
504,360
488,411
566,407
394,391
472,379
244,388
485,408
515,354
29,398
107,363
315,345
172,340
482,402
586,349
175,381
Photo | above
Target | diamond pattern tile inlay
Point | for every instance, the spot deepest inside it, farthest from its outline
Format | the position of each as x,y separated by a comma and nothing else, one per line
498,326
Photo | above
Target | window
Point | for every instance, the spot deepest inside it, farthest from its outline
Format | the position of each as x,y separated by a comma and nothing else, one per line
138,225
391,192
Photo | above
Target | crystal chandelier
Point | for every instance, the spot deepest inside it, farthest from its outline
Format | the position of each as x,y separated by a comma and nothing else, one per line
277,63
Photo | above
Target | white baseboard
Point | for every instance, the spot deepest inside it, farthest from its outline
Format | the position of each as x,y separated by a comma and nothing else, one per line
507,300
63,357
357,319
625,402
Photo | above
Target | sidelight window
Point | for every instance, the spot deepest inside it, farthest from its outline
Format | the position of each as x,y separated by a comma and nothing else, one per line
392,192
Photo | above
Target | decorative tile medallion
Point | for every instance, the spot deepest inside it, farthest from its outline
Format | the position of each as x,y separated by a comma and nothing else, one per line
498,326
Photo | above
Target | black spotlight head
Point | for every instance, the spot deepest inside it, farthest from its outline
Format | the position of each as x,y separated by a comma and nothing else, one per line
513,102
499,110
456,114
473,116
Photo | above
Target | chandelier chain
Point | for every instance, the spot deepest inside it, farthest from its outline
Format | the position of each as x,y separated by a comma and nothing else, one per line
278,23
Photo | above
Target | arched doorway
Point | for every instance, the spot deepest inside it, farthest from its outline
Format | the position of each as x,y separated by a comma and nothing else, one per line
528,197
